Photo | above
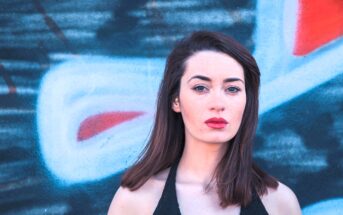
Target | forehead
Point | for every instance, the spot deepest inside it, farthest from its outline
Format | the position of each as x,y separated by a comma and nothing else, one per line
213,64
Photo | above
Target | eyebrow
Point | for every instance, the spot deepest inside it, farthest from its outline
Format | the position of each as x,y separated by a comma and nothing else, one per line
204,78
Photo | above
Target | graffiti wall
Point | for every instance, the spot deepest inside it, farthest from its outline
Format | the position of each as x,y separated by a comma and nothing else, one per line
79,79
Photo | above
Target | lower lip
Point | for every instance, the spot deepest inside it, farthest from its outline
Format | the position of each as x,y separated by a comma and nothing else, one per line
216,125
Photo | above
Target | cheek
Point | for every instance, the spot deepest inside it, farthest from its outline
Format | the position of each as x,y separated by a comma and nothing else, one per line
191,108
239,109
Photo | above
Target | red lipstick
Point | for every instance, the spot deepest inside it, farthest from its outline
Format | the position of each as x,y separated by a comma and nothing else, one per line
216,122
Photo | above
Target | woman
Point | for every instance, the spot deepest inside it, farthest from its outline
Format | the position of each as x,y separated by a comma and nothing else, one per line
199,156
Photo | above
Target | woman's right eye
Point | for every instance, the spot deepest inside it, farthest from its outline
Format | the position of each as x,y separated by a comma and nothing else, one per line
200,88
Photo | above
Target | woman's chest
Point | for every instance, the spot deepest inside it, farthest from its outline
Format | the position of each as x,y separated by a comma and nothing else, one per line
194,200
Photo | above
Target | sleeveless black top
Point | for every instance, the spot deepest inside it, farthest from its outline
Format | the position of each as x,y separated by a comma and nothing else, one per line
168,204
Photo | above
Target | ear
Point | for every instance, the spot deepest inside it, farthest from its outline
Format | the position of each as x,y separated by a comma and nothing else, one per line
176,105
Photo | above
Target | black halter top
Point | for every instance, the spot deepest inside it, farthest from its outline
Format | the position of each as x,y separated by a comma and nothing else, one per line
168,204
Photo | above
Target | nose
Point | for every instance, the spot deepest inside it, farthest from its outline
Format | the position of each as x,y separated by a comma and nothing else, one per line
217,102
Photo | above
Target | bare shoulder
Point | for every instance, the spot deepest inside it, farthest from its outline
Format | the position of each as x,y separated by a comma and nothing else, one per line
121,201
281,201
141,201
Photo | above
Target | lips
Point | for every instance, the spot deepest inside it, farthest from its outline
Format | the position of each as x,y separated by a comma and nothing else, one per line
216,123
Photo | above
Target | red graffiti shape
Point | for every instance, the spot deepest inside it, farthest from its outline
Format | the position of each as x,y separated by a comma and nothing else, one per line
319,22
94,125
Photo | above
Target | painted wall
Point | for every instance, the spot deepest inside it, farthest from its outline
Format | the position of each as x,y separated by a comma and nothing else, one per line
79,81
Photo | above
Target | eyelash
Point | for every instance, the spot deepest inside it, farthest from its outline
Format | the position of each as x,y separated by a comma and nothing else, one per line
196,88
236,89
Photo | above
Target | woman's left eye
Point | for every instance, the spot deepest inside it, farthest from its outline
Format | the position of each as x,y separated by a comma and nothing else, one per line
200,88
233,89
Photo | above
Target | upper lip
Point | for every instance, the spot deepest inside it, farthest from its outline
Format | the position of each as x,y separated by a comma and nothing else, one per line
216,120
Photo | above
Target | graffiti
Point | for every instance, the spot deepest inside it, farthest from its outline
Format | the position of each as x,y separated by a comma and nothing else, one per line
281,68
96,115
52,25
10,84
329,207
293,30
313,18
94,125
77,122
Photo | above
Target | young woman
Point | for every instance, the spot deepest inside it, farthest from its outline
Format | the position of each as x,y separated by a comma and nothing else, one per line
198,159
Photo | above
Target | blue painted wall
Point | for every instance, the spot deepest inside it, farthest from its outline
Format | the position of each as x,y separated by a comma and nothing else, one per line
79,81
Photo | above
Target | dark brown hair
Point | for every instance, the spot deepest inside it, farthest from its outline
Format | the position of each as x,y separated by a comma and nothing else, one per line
236,176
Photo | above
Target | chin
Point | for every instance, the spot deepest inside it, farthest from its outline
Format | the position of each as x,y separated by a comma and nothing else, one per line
218,140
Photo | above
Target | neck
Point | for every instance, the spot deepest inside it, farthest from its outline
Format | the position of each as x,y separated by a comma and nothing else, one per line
198,161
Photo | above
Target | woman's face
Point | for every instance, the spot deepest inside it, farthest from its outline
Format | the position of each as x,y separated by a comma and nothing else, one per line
212,97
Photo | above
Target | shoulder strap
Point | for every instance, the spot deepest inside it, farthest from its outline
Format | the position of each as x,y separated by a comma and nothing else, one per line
255,207
168,204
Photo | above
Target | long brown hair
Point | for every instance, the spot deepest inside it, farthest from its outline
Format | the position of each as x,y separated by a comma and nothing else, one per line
236,176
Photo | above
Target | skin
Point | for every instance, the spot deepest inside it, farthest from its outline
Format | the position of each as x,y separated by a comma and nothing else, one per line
198,101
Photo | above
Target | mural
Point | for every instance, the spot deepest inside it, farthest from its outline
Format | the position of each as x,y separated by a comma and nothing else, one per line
79,81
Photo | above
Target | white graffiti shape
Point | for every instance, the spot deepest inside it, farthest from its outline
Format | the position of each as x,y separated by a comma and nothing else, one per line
327,207
95,114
